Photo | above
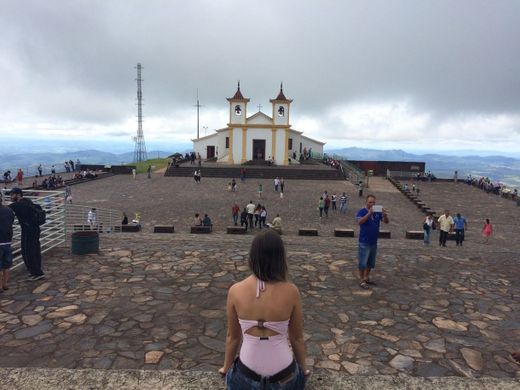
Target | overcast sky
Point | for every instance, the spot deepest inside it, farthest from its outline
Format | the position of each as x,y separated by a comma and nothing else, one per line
415,75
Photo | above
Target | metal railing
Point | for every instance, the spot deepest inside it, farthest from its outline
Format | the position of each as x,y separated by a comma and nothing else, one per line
52,232
61,220
351,172
103,221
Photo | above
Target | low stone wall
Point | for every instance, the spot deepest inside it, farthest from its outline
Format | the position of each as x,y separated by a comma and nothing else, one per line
42,379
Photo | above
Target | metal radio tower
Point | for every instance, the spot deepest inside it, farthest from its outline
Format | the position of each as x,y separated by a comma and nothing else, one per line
140,147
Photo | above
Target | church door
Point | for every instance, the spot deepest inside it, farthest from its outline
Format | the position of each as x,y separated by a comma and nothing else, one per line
210,152
259,149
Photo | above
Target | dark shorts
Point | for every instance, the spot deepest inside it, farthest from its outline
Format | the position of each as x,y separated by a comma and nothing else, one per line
6,256
236,379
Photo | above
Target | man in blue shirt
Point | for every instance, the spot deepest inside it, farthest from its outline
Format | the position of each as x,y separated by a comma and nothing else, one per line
460,224
369,221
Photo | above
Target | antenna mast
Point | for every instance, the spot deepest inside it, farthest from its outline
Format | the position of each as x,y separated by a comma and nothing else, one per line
140,147
198,107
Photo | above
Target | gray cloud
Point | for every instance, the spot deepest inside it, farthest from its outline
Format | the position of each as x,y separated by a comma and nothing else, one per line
73,61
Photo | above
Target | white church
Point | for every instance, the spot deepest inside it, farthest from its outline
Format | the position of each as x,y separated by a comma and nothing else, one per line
257,137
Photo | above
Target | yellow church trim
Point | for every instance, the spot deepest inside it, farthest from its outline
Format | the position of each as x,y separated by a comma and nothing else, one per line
230,154
244,145
261,126
273,144
286,151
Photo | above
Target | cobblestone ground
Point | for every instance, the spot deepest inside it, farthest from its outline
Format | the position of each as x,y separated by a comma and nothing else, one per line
175,200
157,301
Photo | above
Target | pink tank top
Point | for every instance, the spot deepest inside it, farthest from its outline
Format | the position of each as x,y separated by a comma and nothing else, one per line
265,355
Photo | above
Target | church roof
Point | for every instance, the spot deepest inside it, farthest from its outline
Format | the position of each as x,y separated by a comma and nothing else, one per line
238,95
281,97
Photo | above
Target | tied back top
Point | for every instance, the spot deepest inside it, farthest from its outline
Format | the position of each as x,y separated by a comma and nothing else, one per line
265,355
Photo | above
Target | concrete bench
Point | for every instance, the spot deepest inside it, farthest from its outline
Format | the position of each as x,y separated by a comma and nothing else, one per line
200,229
164,229
236,230
130,228
343,232
384,234
415,234
307,232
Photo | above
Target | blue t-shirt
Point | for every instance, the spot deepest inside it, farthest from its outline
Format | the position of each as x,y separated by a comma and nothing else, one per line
369,231
459,222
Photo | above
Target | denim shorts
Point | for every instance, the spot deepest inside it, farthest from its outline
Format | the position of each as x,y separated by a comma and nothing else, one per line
367,256
236,380
6,256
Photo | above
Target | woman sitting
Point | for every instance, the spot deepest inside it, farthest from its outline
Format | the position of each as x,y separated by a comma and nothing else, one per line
265,311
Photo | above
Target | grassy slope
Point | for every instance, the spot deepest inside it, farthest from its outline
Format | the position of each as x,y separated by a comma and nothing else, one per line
156,163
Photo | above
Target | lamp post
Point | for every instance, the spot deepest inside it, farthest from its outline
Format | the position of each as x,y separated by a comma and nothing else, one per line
205,129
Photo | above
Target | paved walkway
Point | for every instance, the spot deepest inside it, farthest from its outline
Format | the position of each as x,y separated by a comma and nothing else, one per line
157,301
154,301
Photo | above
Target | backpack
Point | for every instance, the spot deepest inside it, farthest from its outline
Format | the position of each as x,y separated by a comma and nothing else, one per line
40,216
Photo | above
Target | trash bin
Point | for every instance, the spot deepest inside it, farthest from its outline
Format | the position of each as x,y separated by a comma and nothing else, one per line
85,242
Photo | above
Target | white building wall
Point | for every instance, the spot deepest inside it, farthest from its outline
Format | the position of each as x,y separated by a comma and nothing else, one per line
237,145
221,144
200,145
309,143
281,120
280,147
238,119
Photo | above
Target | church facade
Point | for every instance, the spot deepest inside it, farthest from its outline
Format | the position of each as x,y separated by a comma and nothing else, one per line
257,137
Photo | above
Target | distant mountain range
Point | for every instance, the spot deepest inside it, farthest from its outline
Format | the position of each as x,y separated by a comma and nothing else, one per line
502,168
29,161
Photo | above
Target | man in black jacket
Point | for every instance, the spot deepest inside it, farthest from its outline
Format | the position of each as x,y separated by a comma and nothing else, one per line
6,236
25,212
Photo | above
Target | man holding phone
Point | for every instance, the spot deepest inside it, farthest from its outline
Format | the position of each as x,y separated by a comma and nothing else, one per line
369,219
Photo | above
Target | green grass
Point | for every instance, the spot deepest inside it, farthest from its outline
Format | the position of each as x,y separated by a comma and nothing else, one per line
156,163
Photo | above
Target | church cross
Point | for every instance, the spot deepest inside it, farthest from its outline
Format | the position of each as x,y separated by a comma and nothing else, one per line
259,107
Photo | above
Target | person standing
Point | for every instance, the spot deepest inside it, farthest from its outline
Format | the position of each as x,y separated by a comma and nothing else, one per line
265,320
333,201
134,173
445,226
260,190
68,194
427,227
326,205
6,236
91,218
149,171
235,210
71,164
19,177
321,206
368,221
487,230
263,217
40,170
244,218
282,185
250,207
360,188
53,169
276,183
343,203
26,213
460,225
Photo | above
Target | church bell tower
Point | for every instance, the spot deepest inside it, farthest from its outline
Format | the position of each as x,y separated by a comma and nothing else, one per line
237,108
281,107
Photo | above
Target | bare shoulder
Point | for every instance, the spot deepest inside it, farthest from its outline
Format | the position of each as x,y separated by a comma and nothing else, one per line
292,289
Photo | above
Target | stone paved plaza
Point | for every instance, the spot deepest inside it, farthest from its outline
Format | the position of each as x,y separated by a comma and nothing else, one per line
158,301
